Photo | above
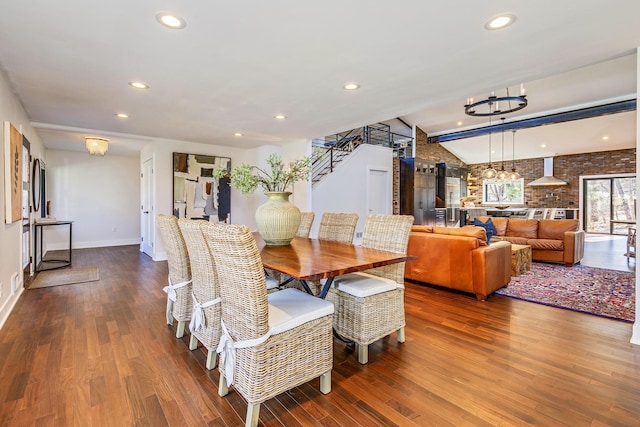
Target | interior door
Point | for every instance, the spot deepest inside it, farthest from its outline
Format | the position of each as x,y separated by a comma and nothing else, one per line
147,211
379,192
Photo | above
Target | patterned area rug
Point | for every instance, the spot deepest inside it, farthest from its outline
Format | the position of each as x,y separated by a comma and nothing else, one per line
607,293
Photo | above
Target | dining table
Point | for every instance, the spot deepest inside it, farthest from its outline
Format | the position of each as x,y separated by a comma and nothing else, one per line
307,259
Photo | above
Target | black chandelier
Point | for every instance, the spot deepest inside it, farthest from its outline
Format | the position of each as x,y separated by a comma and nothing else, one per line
495,105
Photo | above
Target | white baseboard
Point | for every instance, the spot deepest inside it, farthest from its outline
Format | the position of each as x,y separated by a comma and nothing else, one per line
94,244
7,307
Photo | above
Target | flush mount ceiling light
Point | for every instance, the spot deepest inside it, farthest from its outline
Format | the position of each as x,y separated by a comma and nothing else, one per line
280,117
139,85
122,115
96,146
171,20
351,86
238,134
495,104
500,21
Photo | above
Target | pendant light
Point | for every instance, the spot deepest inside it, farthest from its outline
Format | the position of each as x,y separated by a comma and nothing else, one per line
514,175
502,174
489,172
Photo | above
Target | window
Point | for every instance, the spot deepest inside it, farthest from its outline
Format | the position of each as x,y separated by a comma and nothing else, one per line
503,193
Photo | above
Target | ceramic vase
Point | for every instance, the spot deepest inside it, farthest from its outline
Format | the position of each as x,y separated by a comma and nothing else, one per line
278,219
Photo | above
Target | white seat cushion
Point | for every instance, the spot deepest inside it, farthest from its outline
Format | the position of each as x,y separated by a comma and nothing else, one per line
364,284
271,282
290,308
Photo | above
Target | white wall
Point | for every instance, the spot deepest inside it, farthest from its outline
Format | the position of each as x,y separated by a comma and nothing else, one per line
11,234
243,207
346,189
101,194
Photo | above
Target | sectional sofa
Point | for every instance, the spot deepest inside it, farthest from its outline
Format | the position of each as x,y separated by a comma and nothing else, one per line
458,258
551,240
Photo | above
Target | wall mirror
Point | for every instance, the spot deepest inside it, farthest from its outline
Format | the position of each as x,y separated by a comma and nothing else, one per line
197,194
35,185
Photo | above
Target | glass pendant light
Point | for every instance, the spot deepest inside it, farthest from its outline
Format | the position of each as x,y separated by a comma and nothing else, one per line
514,175
489,172
502,174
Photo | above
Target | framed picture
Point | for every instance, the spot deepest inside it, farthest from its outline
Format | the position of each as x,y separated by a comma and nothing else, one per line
197,194
13,173
503,192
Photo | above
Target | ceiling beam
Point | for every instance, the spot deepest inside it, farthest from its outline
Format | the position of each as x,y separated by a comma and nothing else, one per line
566,116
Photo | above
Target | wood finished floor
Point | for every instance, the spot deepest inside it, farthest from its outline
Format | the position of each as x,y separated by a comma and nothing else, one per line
100,354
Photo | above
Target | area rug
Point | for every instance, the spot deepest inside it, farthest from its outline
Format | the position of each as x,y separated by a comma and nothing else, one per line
607,293
65,276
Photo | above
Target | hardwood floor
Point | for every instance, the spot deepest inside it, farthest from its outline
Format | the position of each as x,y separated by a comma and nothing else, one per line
100,353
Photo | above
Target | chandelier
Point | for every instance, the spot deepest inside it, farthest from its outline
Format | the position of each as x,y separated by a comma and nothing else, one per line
96,146
495,105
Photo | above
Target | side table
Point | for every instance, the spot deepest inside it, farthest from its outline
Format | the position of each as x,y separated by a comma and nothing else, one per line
520,259
39,243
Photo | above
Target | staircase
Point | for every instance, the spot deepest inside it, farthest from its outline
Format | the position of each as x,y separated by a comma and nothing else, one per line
331,150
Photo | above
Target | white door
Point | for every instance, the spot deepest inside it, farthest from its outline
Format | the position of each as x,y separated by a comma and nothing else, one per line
378,192
147,212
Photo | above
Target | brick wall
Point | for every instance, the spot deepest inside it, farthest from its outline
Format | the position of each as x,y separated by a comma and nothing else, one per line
567,168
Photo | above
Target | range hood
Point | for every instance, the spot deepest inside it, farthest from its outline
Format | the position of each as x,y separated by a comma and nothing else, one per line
548,178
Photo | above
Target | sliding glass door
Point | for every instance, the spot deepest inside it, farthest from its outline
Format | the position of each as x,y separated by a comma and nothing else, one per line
609,204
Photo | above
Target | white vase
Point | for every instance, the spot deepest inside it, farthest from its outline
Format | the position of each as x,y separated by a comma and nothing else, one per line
278,219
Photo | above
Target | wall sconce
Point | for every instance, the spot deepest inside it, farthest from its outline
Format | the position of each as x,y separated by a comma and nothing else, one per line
96,146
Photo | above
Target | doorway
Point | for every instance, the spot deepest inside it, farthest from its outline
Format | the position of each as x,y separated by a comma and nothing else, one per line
609,204
146,208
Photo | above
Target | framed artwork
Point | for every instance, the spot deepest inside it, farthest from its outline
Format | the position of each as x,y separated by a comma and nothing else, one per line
13,173
197,194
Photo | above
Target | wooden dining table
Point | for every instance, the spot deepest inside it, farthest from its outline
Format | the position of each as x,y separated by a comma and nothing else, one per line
313,259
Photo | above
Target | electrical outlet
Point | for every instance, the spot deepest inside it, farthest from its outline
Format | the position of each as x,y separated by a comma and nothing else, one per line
358,234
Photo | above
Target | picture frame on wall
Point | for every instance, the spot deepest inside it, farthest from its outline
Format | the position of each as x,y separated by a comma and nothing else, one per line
13,173
197,194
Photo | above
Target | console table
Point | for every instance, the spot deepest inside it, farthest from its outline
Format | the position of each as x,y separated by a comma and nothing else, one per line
39,243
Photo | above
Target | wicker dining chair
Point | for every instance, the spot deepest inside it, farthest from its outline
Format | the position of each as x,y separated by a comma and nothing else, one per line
370,305
271,343
306,221
179,303
205,321
338,227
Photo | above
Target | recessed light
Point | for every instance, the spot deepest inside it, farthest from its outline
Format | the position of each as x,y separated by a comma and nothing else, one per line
543,145
238,134
459,123
170,20
139,85
351,86
500,21
605,137
122,115
280,116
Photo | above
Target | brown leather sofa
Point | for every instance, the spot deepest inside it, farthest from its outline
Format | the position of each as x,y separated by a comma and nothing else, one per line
551,240
458,258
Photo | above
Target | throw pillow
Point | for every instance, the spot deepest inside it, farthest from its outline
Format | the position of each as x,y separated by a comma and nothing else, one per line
488,226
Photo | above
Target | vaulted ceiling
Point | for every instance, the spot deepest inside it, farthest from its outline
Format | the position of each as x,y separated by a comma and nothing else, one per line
238,64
